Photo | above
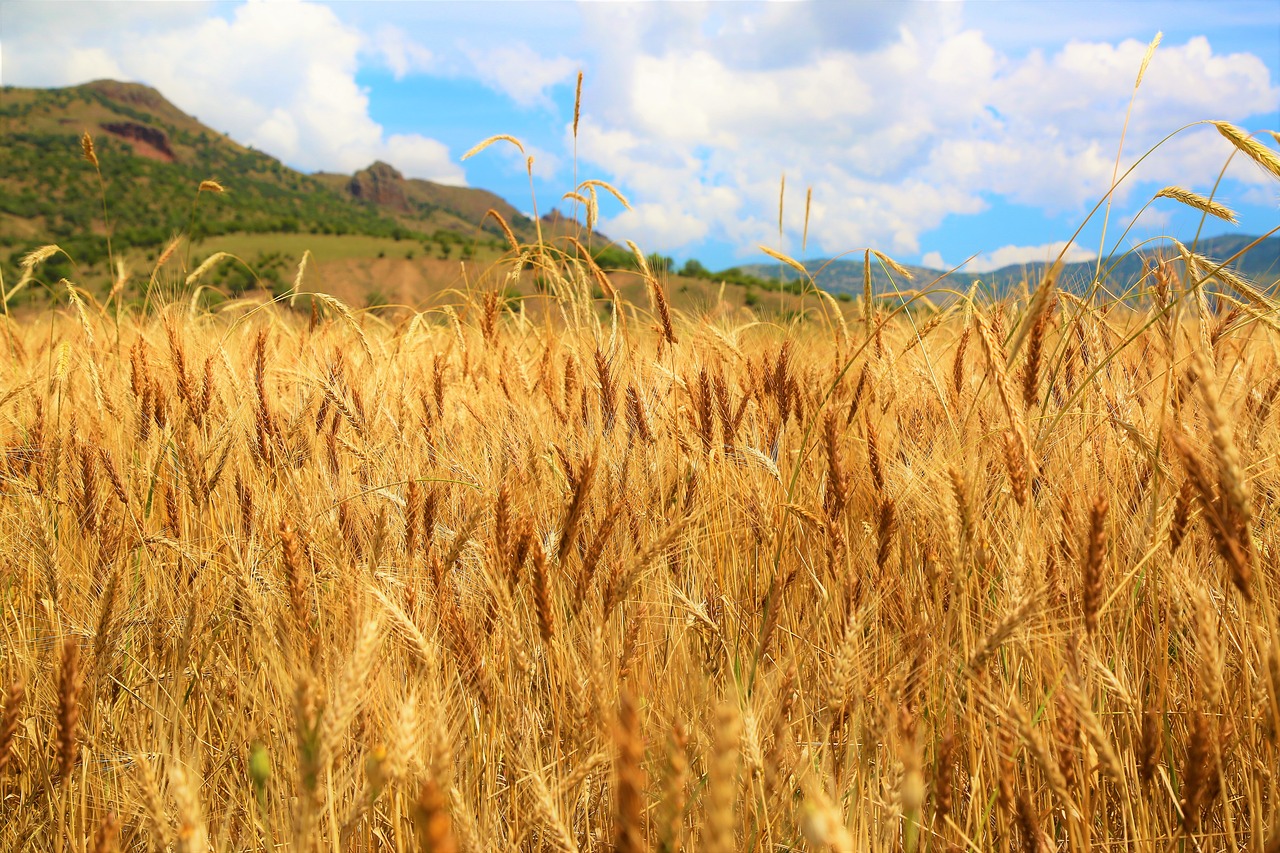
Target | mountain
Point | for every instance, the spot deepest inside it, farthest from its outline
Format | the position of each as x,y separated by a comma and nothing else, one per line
153,156
1260,265
426,205
423,205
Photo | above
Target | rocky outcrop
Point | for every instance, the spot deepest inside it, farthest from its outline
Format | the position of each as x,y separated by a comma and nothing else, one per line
555,223
148,141
380,184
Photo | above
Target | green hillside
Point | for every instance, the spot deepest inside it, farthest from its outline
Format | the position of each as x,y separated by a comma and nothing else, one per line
153,157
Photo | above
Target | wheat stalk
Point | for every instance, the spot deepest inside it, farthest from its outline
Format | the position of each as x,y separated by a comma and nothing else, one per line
14,695
1250,147
69,684
1199,202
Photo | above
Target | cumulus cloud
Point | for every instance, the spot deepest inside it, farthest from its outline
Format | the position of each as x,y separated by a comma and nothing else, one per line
662,226
280,76
519,72
1007,256
398,51
545,164
918,120
1150,220
1268,196
417,156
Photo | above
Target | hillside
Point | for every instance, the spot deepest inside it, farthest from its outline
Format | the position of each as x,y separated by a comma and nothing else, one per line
1260,265
415,200
429,207
153,156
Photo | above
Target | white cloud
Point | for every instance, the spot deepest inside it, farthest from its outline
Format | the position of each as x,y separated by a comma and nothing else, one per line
417,156
280,76
545,164
520,73
1089,85
396,49
278,132
895,131
1015,255
1151,220
1268,196
663,227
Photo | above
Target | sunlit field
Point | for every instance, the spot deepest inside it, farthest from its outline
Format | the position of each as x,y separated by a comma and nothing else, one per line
949,571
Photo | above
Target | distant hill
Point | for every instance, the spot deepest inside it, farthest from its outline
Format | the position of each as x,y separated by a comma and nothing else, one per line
153,156
426,205
1260,265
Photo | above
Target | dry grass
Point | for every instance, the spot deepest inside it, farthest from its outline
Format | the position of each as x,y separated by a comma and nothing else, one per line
641,583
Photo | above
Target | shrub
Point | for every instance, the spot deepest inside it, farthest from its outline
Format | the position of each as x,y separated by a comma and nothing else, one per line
693,268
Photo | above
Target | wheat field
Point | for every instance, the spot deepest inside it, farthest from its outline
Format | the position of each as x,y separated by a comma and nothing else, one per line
952,572
997,575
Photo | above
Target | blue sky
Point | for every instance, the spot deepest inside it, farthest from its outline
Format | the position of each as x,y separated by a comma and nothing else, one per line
933,131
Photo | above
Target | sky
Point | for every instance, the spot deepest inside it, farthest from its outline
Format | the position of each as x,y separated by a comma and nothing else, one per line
938,132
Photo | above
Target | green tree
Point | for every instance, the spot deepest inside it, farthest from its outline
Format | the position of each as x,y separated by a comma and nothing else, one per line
693,268
660,263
